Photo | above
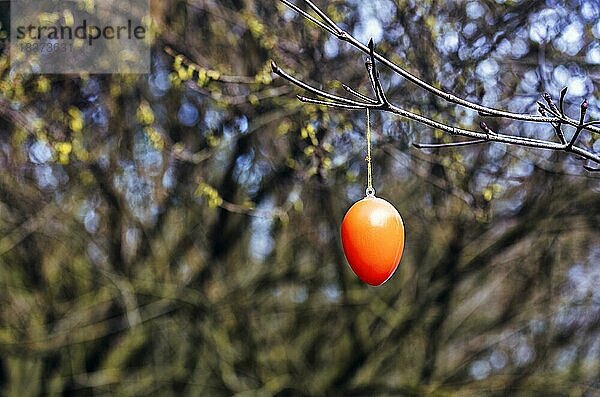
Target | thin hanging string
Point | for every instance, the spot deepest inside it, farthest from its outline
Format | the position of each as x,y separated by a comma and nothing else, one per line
370,191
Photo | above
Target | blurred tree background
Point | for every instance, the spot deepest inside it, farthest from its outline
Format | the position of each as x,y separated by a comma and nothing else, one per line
177,233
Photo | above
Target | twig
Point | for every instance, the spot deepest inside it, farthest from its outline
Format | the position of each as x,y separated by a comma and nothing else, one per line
556,112
446,145
584,106
358,94
196,67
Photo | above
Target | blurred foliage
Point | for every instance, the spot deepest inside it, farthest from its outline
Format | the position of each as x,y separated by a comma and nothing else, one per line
178,233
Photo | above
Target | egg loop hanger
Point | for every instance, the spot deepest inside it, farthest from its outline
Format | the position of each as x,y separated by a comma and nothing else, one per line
370,192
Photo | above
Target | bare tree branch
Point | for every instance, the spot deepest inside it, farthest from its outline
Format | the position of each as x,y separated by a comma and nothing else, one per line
550,113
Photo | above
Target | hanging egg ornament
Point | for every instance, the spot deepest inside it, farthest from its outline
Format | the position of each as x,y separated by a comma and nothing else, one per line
372,232
373,239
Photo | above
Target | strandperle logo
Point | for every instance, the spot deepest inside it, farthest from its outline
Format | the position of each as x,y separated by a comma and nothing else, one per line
82,36
88,33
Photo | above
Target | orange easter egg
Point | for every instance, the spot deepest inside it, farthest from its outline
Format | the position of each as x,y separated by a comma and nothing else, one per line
373,239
